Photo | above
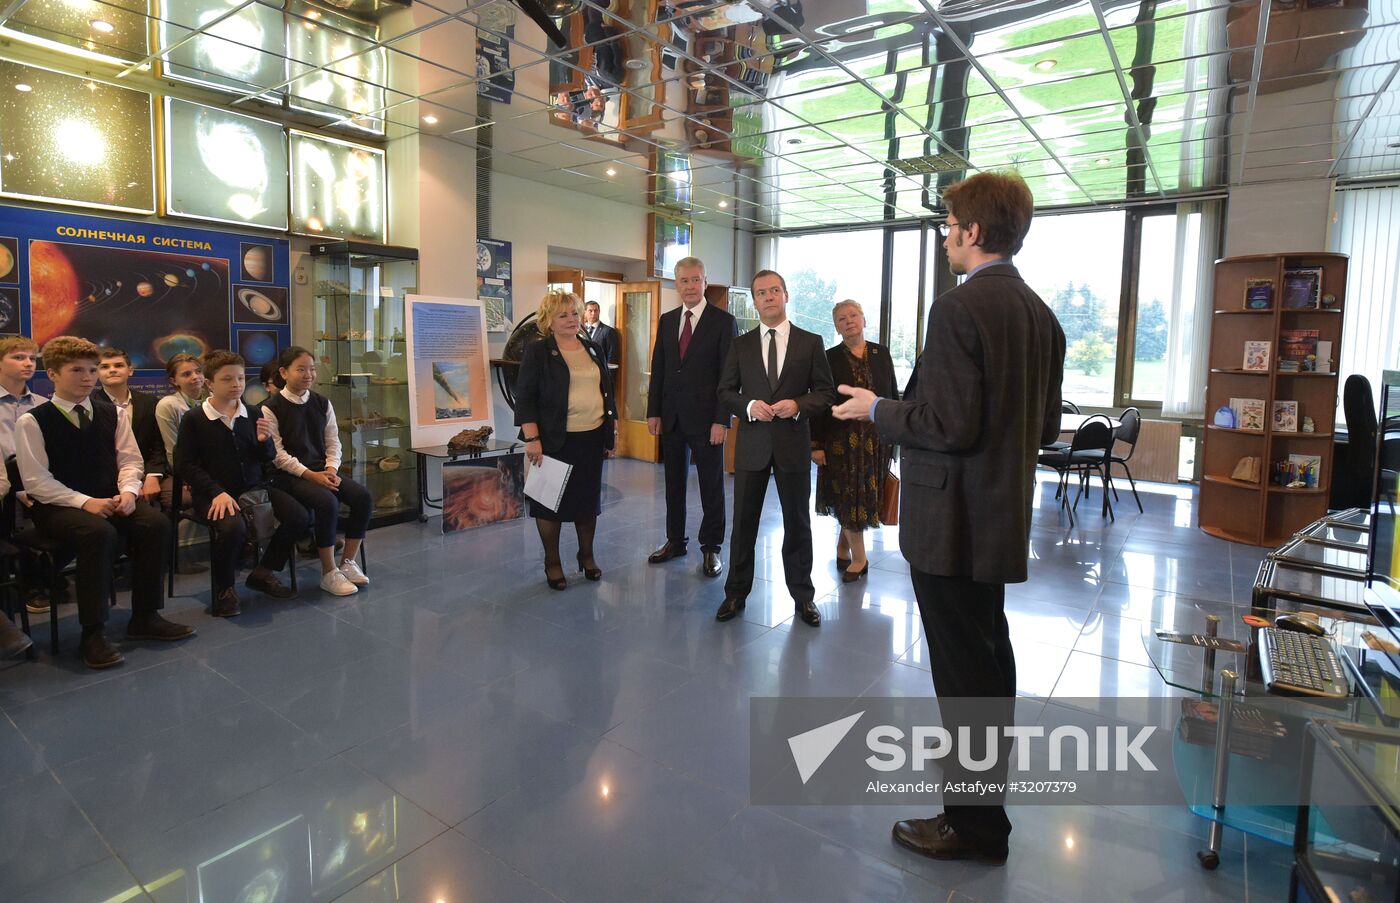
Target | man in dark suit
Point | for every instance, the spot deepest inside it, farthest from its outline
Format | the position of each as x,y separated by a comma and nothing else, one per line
692,343
987,397
775,380
601,334
114,371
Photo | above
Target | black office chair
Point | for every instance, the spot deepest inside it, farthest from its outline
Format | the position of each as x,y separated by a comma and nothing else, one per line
1129,428
1356,476
1066,407
1088,451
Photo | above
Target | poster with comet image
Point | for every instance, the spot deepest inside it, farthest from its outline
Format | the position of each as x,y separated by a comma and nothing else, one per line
152,290
447,368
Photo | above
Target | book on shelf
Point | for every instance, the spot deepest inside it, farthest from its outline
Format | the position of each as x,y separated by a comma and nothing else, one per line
1298,346
1302,288
1285,416
1249,413
1324,357
1257,355
1258,294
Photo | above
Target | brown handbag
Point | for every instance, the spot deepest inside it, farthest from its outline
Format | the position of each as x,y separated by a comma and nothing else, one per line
889,501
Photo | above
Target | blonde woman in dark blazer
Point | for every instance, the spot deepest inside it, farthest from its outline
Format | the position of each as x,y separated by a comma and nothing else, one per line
564,407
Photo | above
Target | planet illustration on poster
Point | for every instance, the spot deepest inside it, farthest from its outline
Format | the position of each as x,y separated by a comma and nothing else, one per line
170,280
9,307
257,346
7,262
259,304
145,289
167,346
257,263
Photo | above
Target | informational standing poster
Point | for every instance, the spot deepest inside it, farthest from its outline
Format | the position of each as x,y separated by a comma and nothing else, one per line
493,282
448,368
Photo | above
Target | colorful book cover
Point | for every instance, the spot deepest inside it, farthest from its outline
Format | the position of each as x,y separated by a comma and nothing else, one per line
1249,413
1298,345
1285,416
1258,294
1256,355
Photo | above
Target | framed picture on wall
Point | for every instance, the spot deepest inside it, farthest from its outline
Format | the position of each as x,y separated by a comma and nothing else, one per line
671,241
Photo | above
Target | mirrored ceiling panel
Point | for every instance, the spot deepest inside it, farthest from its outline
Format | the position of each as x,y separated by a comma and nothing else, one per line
97,29
231,45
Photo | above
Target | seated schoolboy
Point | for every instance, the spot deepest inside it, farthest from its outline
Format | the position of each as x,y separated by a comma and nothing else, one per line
114,371
219,455
13,641
82,469
18,358
308,464
186,374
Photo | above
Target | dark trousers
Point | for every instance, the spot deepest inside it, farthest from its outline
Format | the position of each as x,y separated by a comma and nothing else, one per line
325,507
709,469
97,542
795,494
231,535
969,649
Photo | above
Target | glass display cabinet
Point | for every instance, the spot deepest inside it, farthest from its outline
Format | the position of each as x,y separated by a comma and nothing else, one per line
362,366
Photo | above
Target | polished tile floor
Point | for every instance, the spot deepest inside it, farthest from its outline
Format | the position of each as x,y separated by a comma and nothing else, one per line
459,732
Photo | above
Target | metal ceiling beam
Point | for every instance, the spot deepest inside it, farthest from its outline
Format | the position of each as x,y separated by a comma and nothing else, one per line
1128,102
1361,120
987,76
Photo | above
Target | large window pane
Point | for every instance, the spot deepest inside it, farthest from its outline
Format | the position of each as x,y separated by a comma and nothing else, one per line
904,340
1074,262
1161,273
823,269
1368,228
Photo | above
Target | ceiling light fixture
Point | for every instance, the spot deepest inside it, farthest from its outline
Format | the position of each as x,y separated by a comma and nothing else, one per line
430,119
102,26
1102,161
611,171
1045,65
794,141
636,65
22,88
1394,144
723,204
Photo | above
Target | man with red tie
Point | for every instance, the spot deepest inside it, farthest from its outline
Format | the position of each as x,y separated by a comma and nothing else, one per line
683,408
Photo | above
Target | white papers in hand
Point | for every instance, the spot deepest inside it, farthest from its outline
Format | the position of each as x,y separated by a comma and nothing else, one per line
545,481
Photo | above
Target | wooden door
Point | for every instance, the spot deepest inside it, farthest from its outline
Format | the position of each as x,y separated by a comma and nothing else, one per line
638,308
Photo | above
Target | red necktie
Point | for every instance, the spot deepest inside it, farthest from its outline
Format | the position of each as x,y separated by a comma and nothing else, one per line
685,335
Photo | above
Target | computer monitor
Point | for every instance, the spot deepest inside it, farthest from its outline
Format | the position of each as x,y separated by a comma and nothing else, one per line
1383,557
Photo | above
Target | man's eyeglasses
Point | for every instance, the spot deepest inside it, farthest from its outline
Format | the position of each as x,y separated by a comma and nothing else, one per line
946,229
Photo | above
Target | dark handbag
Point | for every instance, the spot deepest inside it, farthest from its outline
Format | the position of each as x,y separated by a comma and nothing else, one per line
256,509
889,501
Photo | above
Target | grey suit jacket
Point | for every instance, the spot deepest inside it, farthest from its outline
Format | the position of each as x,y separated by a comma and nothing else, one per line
805,378
987,398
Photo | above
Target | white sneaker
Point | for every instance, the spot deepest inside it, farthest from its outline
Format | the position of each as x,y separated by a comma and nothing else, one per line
336,584
352,572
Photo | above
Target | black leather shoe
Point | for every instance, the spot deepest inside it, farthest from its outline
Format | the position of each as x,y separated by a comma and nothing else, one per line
713,565
268,584
842,563
226,604
14,643
667,552
851,575
730,607
808,614
152,626
936,839
97,652
593,573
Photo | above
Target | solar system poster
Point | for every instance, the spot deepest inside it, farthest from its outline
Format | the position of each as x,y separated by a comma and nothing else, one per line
152,290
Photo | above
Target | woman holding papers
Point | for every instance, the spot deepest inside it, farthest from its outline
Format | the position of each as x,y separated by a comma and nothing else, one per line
565,410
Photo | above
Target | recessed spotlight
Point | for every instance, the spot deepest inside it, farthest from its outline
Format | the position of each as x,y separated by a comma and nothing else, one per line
102,26
1045,65
90,85
313,14
1102,161
430,119
723,204
794,141
1394,144
611,171
22,88
636,65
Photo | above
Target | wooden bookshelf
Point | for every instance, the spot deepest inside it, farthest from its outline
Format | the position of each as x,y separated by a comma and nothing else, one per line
1261,513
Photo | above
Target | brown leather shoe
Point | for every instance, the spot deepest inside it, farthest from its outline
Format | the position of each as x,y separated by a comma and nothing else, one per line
97,651
730,607
226,604
667,552
267,583
807,613
937,839
151,626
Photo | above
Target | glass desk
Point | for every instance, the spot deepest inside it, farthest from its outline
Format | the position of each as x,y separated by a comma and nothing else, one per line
494,448
1322,558
1281,583
1243,759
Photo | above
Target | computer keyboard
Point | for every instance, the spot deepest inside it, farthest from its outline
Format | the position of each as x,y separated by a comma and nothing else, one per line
1299,664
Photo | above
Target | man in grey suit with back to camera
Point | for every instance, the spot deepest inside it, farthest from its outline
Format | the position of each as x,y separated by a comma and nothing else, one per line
775,380
684,409
988,396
